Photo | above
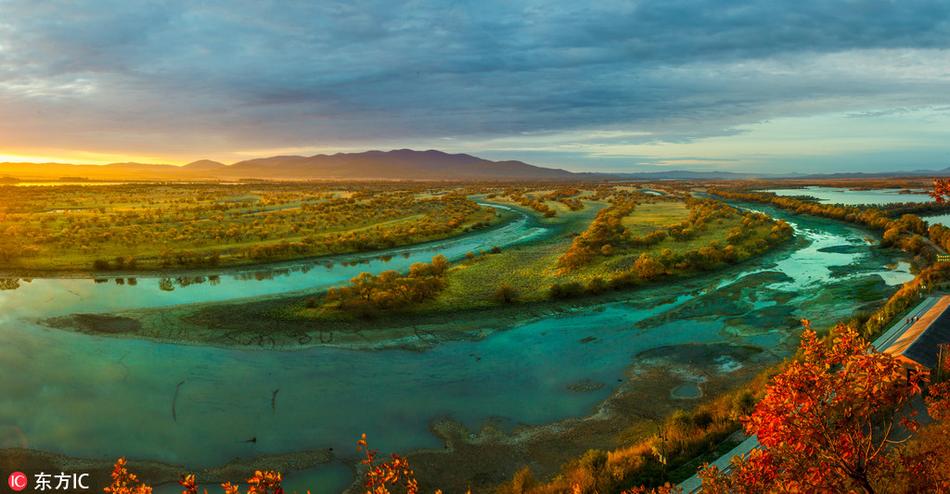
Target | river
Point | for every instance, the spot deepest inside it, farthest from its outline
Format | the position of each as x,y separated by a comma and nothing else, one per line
99,397
853,197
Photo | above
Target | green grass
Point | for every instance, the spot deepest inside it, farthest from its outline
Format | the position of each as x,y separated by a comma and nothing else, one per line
605,266
532,269
472,283
649,217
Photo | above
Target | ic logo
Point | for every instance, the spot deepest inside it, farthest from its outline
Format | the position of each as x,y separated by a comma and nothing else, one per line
17,481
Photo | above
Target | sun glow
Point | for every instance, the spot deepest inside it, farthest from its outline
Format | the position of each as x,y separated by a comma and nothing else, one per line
79,158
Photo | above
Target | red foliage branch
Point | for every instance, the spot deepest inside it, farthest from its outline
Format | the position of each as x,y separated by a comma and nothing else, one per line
826,420
125,482
382,476
941,190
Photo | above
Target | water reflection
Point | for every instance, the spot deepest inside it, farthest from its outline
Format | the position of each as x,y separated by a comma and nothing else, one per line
9,283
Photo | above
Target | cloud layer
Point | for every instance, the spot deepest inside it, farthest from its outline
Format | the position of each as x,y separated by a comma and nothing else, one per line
609,85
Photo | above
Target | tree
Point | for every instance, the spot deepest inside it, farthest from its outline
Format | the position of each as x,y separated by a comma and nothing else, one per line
941,190
826,422
647,267
440,264
389,290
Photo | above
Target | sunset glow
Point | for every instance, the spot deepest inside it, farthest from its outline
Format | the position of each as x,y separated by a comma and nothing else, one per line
739,88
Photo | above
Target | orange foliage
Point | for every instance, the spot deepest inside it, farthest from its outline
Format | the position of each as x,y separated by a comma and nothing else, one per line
941,189
125,482
390,290
826,421
382,476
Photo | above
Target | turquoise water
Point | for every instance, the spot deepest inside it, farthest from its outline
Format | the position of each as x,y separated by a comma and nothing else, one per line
99,397
943,219
838,195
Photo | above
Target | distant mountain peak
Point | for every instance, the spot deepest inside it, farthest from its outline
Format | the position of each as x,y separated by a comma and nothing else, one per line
395,164
204,165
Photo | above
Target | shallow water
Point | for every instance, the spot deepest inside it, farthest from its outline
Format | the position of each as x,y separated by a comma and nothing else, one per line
100,397
838,195
943,219
687,391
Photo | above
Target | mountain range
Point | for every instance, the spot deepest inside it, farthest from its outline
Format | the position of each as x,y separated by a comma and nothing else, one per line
400,164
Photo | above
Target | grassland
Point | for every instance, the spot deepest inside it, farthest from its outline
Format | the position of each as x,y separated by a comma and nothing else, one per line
533,273
132,227
650,217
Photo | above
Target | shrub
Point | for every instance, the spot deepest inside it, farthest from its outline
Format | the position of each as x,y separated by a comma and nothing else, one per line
505,294
596,285
565,290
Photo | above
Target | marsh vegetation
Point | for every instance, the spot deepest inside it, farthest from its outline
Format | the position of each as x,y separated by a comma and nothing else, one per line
611,238
129,227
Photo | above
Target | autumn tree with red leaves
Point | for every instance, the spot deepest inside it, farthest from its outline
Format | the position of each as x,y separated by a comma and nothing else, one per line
826,422
941,189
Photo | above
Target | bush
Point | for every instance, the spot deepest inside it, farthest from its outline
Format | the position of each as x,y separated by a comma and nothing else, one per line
369,294
702,419
522,483
596,285
743,403
505,294
565,290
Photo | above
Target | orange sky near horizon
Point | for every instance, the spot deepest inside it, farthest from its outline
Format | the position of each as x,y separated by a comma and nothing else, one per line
84,158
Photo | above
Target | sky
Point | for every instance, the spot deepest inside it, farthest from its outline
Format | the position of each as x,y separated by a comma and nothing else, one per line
764,86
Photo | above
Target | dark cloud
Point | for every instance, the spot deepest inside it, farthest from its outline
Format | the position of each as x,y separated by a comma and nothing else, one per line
169,76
